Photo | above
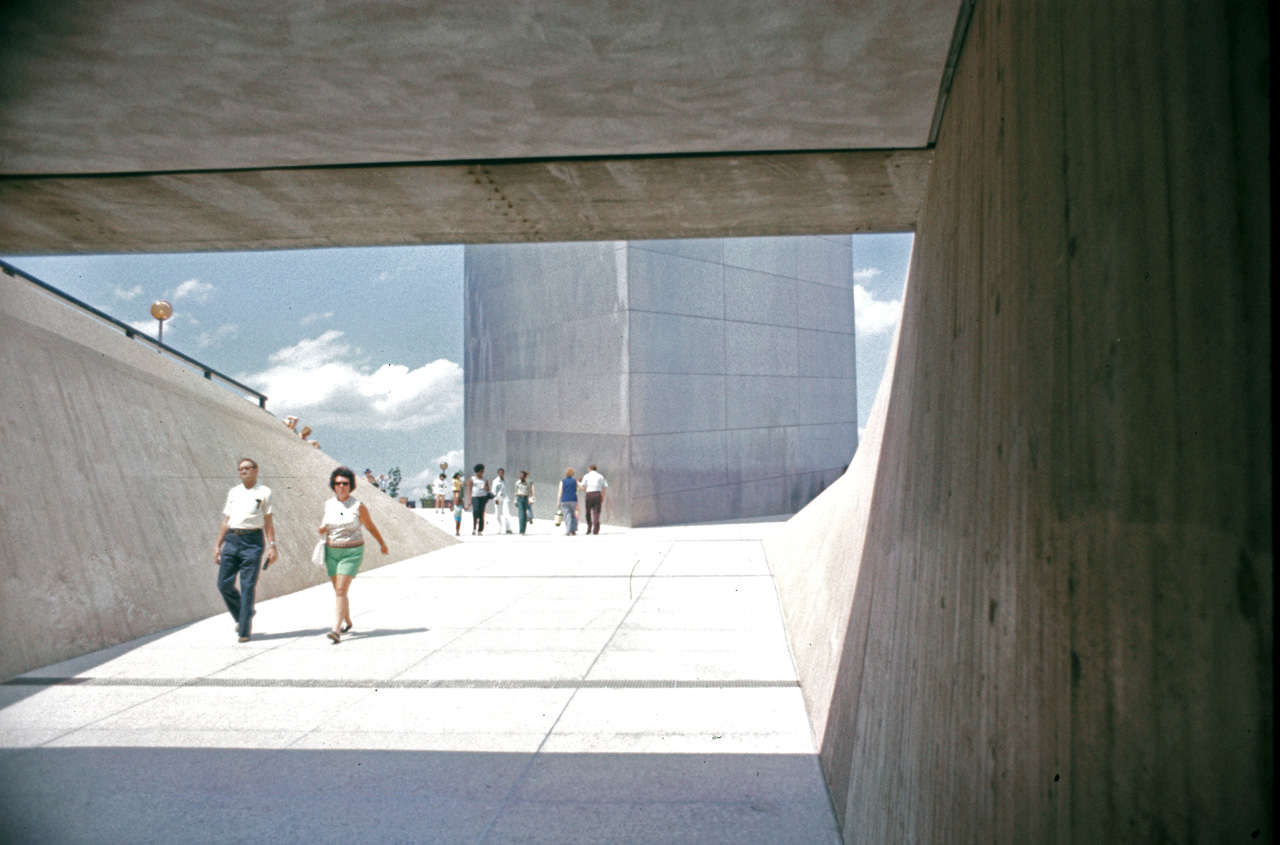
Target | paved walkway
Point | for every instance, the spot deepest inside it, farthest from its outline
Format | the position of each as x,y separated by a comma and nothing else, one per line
630,687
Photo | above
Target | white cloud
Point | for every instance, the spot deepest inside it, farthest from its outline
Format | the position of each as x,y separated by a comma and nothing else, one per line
453,458
147,327
130,294
419,484
874,316
311,318
193,288
330,383
223,333
866,275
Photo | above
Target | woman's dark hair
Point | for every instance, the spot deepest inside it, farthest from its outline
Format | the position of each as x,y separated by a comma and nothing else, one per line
343,472
458,474
478,468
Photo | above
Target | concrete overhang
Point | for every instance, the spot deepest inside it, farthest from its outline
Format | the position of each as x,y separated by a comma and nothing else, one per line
161,125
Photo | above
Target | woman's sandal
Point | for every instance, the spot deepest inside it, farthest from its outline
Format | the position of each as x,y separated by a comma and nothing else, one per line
346,627
333,635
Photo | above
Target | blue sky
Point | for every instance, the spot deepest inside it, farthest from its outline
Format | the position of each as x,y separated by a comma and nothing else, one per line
880,264
365,345
324,333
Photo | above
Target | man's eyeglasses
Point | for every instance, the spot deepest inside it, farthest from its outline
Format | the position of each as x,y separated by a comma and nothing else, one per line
342,483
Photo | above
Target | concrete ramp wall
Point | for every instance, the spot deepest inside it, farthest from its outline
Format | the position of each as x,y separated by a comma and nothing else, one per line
117,460
1045,601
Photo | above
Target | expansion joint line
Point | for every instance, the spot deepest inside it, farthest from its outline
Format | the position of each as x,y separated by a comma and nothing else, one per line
524,772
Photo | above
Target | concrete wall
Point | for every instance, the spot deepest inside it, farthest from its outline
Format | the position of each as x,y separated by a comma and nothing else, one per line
1052,585
709,379
117,460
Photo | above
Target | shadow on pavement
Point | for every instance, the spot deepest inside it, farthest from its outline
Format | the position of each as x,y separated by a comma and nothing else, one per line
192,795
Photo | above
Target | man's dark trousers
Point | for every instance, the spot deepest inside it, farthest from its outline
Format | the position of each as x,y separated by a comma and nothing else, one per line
594,501
241,555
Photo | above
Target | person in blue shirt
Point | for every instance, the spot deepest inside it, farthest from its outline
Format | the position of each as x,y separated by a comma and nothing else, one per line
569,502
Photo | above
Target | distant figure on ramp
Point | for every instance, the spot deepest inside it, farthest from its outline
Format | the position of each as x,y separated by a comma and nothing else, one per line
240,549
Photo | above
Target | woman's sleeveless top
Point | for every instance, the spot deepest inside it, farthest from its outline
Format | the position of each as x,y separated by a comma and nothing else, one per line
343,519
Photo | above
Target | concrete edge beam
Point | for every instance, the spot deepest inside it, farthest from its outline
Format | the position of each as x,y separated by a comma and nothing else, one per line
801,193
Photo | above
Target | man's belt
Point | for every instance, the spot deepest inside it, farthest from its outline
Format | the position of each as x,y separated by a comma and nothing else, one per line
244,530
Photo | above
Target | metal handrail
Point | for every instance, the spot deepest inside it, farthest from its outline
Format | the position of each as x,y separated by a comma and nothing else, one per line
129,331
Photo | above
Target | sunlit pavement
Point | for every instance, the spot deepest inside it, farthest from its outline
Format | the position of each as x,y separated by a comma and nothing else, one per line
634,686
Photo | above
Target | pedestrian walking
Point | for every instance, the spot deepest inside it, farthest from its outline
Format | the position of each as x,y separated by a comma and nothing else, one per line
246,544
502,501
478,494
569,502
524,500
593,485
344,519
441,489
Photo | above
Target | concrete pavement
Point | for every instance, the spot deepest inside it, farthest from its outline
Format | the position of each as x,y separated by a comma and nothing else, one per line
631,687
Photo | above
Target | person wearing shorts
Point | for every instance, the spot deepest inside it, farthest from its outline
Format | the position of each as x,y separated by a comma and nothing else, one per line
344,519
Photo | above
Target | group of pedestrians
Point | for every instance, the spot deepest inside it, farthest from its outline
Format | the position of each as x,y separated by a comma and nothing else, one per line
382,481
246,544
479,490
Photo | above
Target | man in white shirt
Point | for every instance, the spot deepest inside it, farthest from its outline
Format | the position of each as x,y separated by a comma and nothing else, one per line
240,549
594,485
501,500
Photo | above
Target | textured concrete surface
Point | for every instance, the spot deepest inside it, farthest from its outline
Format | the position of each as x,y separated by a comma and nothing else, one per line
157,85
709,379
632,687
1054,579
124,458
162,126
471,202
1058,622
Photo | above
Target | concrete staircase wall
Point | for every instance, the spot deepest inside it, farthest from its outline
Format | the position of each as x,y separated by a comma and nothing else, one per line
1039,606
116,461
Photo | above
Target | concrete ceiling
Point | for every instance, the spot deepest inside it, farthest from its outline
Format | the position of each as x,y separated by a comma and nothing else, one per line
150,125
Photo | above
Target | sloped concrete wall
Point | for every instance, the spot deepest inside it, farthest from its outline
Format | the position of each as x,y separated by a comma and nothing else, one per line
117,461
1057,610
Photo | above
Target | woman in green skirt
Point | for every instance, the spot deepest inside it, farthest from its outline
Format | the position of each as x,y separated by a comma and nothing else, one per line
344,544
